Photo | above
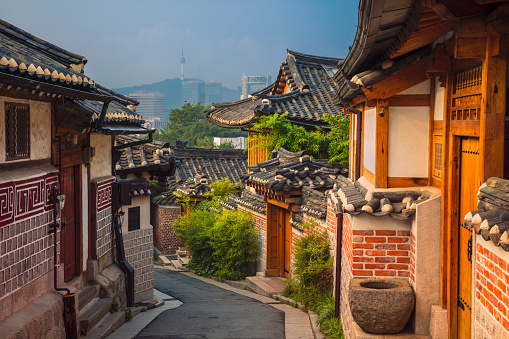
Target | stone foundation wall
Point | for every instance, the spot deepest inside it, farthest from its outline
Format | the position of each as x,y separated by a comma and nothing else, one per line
165,237
139,252
491,317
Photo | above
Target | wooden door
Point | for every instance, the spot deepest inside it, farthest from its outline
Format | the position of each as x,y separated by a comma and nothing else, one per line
469,183
279,241
68,236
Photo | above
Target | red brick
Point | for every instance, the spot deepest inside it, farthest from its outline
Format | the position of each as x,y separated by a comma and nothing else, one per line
398,253
397,267
365,246
403,274
403,247
362,232
397,239
385,259
362,273
357,252
362,259
404,233
358,239
374,252
373,266
374,239
403,260
385,273
385,246
357,266
384,232
506,324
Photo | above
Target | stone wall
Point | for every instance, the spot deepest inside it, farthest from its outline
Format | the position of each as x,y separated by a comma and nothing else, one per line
165,237
491,317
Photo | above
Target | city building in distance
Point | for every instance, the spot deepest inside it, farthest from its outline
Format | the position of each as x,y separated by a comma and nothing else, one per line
152,107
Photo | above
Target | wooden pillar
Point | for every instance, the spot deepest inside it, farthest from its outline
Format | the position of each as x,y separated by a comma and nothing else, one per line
382,144
493,107
431,129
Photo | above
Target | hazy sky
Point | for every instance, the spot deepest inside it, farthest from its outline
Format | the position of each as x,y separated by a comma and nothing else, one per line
131,42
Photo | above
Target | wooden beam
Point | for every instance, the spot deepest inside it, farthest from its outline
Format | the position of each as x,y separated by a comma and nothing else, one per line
493,106
468,48
465,127
382,144
358,99
406,182
368,175
398,82
438,127
431,144
410,100
278,203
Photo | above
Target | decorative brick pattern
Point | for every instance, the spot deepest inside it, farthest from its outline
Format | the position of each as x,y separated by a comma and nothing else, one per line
492,287
26,252
22,199
165,237
139,253
104,239
413,245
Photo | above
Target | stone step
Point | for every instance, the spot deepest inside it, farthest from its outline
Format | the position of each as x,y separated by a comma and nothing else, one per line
269,286
164,260
183,260
178,265
87,295
90,316
108,324
182,253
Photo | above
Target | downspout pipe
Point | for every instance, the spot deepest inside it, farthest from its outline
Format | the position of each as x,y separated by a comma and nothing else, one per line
358,136
339,249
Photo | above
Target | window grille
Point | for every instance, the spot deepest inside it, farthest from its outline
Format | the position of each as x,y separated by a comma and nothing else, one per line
134,219
437,158
17,131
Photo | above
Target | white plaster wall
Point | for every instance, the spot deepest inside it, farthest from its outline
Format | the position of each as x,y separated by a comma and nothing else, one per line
408,142
144,203
40,129
84,221
439,100
369,133
101,164
421,88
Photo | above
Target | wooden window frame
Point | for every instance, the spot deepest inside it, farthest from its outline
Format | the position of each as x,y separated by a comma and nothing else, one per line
17,114
133,218
437,173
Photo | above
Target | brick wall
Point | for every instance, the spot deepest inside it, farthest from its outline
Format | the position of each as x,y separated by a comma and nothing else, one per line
261,225
139,253
26,244
413,244
491,291
165,237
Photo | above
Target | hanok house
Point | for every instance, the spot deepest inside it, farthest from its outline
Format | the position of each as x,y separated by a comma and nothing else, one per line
426,83
56,224
139,160
197,169
282,194
303,92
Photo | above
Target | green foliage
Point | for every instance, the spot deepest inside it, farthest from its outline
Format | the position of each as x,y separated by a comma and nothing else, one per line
276,131
157,185
221,188
312,283
128,314
188,123
225,246
225,145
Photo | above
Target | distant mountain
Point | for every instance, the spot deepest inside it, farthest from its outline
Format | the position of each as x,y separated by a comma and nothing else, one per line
172,90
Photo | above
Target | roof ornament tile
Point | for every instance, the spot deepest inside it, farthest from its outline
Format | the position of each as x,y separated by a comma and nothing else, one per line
31,69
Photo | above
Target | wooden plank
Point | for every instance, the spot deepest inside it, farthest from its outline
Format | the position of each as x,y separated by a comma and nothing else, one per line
493,109
398,82
430,132
470,48
278,203
406,182
438,127
358,99
382,145
368,175
410,100
465,127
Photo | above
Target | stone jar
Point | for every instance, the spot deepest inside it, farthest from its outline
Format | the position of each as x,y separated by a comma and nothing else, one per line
381,306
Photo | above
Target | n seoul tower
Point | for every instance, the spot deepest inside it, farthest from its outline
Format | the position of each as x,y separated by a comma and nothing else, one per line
182,62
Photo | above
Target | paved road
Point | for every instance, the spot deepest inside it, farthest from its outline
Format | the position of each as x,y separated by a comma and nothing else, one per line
211,312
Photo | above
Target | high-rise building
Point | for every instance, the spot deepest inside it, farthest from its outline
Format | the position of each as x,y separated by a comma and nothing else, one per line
151,104
193,91
213,92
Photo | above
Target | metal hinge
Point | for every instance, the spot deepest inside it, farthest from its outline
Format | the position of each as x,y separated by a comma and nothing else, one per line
469,249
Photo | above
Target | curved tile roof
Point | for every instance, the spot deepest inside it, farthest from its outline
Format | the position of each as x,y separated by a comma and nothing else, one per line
310,92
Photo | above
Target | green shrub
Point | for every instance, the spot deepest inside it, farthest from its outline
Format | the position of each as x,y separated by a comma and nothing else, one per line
329,325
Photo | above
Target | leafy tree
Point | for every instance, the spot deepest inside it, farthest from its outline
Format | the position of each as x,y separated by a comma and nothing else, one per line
225,145
274,131
188,123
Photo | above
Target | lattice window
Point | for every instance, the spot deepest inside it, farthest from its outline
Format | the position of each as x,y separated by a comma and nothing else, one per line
17,131
134,219
437,157
466,97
